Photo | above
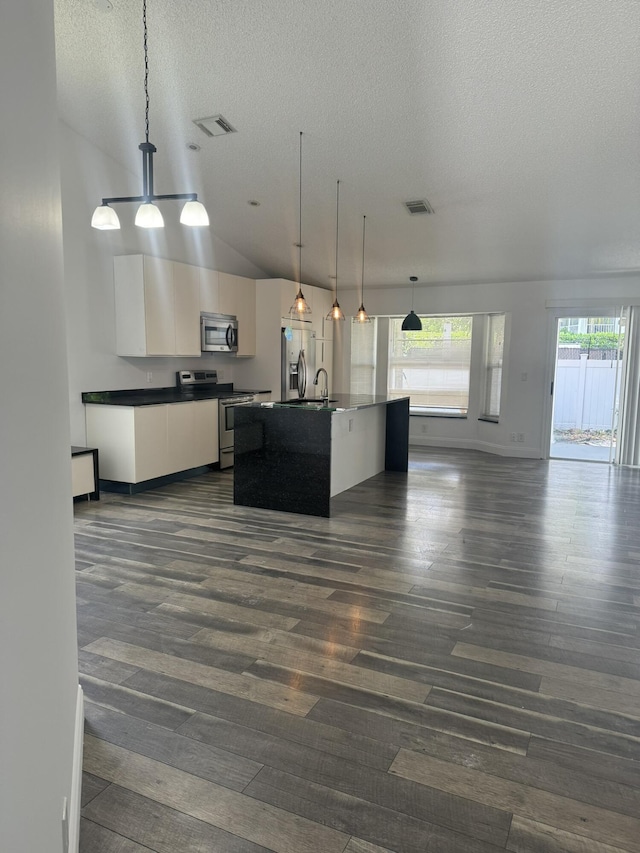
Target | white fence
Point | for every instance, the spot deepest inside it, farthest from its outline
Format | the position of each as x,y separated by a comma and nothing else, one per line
584,393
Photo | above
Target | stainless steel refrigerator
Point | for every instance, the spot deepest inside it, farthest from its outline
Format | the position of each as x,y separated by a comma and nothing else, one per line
298,361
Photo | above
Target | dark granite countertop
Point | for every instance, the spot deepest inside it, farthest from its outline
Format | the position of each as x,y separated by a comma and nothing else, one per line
158,396
337,402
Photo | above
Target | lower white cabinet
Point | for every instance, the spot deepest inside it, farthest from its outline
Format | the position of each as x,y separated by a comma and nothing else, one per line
205,432
138,443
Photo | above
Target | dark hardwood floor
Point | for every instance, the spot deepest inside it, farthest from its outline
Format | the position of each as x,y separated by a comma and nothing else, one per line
451,664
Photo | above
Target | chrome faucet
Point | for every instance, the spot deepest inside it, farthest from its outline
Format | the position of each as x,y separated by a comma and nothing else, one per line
324,391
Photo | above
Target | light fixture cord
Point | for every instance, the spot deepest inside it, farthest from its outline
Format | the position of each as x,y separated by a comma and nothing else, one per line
337,214
364,223
300,219
146,69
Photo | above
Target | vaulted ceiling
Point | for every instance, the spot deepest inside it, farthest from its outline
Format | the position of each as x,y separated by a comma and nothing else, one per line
519,122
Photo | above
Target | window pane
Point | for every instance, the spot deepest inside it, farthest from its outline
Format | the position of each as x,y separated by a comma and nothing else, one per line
431,366
494,357
363,356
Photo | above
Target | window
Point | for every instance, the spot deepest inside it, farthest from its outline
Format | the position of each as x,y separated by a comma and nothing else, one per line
431,366
494,353
363,356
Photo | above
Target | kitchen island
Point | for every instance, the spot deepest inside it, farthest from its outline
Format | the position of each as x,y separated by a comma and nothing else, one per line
294,456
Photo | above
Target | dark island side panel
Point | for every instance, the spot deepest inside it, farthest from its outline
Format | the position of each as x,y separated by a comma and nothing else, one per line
283,459
397,439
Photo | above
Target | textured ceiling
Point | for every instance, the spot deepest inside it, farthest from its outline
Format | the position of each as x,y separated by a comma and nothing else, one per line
518,121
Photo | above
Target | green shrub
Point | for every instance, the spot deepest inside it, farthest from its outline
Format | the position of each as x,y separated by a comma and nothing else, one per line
596,340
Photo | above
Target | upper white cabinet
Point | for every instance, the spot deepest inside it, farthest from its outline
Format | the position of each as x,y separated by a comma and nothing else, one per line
186,302
157,307
237,295
209,291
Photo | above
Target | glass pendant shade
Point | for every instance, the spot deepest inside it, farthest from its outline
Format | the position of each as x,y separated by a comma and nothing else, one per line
194,213
105,218
149,216
300,304
412,322
362,316
336,312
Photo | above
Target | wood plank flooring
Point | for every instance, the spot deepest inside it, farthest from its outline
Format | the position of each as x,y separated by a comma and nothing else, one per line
449,664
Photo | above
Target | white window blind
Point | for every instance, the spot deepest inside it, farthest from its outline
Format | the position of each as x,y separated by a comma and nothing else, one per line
363,356
494,355
431,366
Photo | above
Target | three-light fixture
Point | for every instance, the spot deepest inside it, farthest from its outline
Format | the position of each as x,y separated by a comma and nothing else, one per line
300,304
362,316
148,215
335,312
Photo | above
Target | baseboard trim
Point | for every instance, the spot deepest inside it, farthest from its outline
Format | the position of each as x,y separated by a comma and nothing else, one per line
76,775
471,444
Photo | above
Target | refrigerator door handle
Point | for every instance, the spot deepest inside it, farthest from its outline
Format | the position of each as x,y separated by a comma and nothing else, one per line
302,391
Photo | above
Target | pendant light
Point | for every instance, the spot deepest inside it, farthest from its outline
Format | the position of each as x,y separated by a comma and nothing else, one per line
148,215
300,304
412,323
362,316
336,311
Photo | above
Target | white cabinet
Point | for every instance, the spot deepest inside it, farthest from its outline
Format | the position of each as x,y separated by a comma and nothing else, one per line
186,306
209,291
205,432
180,433
154,277
131,440
157,307
83,480
147,433
192,430
138,443
237,295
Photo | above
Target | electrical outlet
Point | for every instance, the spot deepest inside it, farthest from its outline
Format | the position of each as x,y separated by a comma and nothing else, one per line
149,376
521,437
514,436
350,424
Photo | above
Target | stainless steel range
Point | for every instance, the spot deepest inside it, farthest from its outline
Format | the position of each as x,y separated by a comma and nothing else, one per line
201,383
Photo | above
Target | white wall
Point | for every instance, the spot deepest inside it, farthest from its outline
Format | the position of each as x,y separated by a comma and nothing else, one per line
38,662
88,175
524,399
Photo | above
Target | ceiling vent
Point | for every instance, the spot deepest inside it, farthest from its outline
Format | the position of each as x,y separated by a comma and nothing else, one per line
419,206
214,125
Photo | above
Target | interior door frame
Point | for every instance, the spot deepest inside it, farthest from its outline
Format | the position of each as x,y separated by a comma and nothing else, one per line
555,312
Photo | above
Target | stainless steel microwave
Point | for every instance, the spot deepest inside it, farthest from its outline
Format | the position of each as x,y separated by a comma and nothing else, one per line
218,333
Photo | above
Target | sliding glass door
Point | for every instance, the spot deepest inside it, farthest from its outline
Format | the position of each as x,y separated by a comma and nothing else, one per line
586,388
